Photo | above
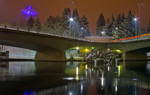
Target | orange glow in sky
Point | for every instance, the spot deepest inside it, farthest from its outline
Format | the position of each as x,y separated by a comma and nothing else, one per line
11,9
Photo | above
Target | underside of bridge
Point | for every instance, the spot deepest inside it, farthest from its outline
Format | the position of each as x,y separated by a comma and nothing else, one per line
139,54
50,54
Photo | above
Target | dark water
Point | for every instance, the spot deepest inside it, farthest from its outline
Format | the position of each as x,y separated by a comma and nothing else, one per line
75,78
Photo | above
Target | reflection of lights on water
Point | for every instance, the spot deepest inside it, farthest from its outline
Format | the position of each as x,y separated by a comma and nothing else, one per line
86,73
119,70
77,70
81,87
86,66
28,93
116,89
116,84
102,80
69,78
70,93
108,68
92,69
77,73
77,77
135,79
73,78
148,67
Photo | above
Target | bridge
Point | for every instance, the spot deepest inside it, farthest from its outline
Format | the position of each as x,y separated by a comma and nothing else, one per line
52,47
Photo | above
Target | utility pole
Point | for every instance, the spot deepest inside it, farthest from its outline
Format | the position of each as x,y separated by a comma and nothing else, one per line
74,2
140,4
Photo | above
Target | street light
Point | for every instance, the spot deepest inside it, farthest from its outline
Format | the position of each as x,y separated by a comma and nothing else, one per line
103,33
136,20
116,32
71,19
74,3
81,31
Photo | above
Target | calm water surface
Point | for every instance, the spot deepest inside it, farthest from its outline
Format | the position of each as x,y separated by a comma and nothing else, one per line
75,78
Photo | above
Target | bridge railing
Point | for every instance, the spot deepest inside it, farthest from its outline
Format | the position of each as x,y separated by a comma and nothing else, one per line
134,38
5,26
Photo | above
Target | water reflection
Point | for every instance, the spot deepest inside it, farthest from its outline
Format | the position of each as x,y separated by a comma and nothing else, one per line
74,78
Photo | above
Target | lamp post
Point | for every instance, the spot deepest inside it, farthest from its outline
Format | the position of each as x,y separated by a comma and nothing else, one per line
71,20
140,4
81,32
74,3
135,19
117,32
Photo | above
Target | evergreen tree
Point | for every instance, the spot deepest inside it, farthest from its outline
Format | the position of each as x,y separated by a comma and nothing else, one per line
107,21
65,17
59,27
112,18
127,27
100,24
37,25
118,20
110,27
75,14
30,23
84,24
49,25
122,17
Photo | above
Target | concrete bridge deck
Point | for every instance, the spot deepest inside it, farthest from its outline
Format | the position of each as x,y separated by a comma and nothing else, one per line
52,47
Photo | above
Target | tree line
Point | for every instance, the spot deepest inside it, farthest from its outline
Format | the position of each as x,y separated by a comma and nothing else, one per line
120,27
62,25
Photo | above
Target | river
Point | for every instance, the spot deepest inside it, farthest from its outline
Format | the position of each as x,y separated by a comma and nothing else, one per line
74,78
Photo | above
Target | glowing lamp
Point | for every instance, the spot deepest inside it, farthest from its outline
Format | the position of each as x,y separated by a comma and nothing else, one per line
71,19
116,28
135,19
77,48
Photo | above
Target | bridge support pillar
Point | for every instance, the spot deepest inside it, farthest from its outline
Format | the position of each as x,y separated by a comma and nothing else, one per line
50,55
135,56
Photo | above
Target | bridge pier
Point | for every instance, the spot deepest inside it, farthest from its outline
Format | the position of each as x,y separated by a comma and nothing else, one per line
135,56
50,54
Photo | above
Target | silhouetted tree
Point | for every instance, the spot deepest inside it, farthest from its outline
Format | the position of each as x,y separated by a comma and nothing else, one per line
49,25
84,24
100,24
65,17
37,25
127,27
30,23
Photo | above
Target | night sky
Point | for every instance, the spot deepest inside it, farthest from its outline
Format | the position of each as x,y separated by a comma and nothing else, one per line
11,9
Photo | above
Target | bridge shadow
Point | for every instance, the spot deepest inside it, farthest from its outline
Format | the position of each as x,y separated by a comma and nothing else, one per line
136,65
138,54
50,67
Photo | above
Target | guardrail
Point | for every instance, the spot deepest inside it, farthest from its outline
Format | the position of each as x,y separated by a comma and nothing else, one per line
129,39
134,38
46,33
